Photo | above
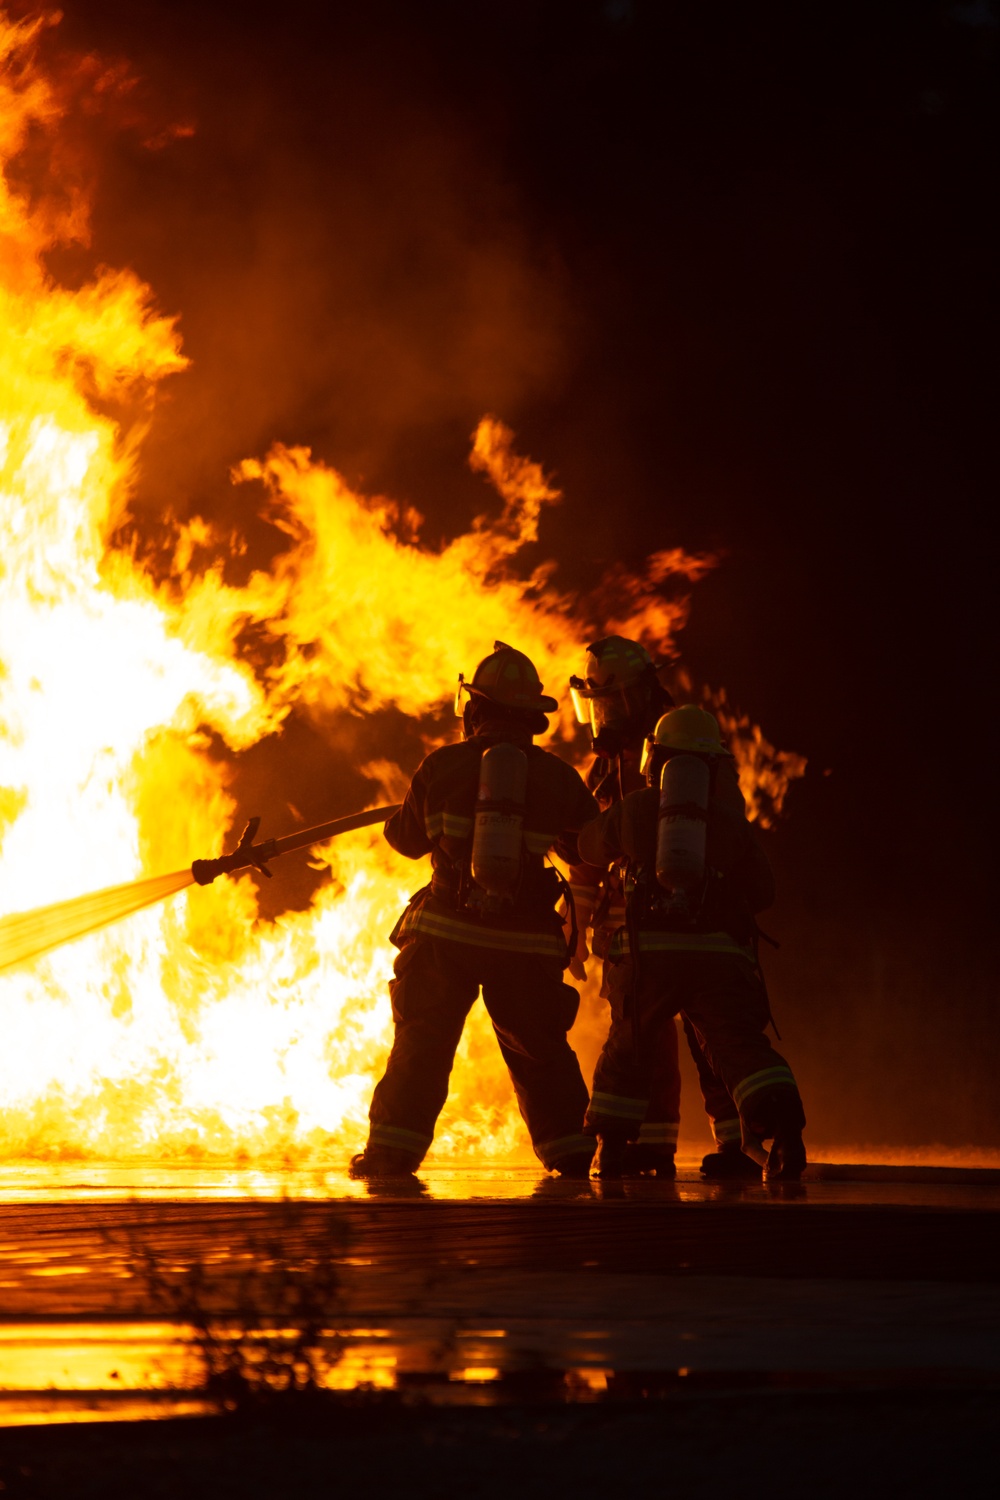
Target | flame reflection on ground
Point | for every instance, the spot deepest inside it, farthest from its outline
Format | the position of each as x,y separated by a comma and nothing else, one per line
36,1182
137,1371
140,1293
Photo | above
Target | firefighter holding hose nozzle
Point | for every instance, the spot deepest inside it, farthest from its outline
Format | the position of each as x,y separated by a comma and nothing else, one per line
621,698
487,810
695,878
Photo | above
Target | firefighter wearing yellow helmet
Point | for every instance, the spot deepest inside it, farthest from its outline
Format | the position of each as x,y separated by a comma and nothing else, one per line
688,945
688,728
487,810
621,699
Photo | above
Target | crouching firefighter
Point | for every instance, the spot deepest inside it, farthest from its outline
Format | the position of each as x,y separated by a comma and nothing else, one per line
621,698
487,811
695,877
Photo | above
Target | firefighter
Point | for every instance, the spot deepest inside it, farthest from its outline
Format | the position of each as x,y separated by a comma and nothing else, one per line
688,945
487,810
622,698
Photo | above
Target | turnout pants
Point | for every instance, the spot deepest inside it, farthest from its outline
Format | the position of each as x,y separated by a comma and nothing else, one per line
436,985
662,1122
723,999
663,1114
719,1107
661,1126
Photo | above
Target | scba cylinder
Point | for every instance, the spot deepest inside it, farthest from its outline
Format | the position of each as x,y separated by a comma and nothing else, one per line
683,827
497,832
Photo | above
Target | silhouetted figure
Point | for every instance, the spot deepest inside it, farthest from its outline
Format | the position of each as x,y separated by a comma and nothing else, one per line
487,811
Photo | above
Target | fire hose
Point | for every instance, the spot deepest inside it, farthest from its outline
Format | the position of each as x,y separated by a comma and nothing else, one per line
248,855
27,935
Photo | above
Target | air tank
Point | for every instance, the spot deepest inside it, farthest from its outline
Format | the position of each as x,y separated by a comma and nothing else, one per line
682,828
497,832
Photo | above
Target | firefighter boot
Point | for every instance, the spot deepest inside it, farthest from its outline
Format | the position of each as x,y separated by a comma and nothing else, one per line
643,1160
383,1161
610,1158
729,1163
786,1159
577,1165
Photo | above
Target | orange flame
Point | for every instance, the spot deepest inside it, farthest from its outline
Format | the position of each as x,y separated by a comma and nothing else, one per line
193,1028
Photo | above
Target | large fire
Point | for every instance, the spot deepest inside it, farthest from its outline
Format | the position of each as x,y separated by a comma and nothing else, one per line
194,1029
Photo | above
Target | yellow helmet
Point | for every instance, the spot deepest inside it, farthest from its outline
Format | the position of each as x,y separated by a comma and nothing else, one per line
688,728
622,695
613,664
509,678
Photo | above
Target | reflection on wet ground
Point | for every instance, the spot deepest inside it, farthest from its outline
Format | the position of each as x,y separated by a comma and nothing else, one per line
575,1338
827,1183
139,1293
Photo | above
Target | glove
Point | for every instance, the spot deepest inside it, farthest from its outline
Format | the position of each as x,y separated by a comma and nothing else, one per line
578,963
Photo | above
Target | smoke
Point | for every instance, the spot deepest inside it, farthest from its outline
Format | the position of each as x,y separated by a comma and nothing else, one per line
353,271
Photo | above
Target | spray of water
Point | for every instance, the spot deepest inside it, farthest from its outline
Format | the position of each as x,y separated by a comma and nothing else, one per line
27,935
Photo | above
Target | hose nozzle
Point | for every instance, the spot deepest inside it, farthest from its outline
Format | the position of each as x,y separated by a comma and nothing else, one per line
246,855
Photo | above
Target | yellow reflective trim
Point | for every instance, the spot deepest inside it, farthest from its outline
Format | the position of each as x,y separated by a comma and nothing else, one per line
457,827
549,1152
651,941
662,1134
766,1078
619,1106
435,924
395,1135
727,1131
452,825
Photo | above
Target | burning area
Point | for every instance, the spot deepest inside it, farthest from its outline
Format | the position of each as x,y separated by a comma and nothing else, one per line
138,669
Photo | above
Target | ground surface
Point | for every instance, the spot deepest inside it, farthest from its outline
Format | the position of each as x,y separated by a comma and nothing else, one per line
509,1332
818,1444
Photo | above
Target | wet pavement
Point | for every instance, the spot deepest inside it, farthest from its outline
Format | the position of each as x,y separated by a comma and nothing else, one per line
971,1188
118,1287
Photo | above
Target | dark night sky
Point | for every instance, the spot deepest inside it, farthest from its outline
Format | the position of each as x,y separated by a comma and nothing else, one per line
729,272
